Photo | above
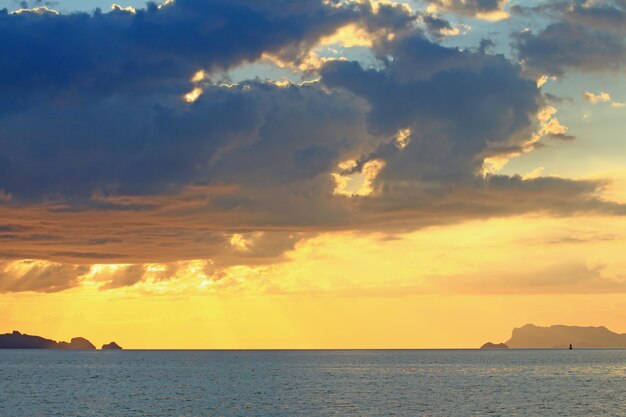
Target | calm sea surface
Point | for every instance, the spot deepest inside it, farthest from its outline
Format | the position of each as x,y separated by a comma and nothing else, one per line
313,383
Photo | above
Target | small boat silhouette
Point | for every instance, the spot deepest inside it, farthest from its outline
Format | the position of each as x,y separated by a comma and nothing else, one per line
570,346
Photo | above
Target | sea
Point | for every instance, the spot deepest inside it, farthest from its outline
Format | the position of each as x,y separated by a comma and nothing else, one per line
579,382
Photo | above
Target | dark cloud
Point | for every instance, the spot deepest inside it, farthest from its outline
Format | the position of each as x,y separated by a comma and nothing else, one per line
94,256
585,36
605,15
564,45
67,57
104,160
551,98
436,26
135,146
474,8
127,276
460,106
105,91
561,136
38,276
485,45
426,204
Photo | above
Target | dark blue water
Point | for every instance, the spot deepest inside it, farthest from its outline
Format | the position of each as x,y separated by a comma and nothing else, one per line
313,383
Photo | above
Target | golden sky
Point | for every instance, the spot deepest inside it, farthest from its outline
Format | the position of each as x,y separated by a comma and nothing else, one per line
356,174
449,286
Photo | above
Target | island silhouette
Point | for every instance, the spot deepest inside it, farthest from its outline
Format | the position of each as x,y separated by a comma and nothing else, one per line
490,345
111,346
17,340
561,337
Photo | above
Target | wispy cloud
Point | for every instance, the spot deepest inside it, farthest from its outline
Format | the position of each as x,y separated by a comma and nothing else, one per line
602,97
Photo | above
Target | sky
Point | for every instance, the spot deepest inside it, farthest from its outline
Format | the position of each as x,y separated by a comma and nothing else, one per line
311,173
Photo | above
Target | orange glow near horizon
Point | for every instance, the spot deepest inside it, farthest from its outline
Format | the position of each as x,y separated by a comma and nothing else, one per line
444,287
278,322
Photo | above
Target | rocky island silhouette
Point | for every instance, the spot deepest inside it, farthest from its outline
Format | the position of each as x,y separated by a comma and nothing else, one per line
490,345
561,337
111,346
17,340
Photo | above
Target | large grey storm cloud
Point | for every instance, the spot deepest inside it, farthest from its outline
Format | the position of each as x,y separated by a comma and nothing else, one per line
100,155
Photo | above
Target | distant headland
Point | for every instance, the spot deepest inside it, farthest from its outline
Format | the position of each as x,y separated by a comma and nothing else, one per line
490,345
561,337
111,346
17,340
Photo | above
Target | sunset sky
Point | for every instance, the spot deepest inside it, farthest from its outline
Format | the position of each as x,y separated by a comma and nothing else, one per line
311,173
